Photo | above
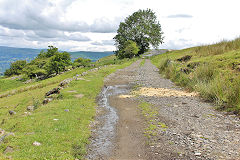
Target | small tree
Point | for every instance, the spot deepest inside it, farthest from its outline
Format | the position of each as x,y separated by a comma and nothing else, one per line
58,62
81,62
141,27
33,71
16,68
130,50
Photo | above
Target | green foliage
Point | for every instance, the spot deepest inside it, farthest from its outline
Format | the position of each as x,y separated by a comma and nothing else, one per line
33,71
141,27
130,50
16,68
58,62
81,62
51,51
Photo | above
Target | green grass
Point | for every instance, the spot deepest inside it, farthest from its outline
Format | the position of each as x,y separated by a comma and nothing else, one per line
213,71
150,114
64,138
7,84
142,62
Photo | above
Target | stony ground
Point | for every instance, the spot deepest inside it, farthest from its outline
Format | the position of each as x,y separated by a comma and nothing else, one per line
195,130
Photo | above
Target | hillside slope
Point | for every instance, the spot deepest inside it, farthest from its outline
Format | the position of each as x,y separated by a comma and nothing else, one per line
213,71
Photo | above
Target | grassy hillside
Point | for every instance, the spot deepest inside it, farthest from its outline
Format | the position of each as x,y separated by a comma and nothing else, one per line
61,126
211,70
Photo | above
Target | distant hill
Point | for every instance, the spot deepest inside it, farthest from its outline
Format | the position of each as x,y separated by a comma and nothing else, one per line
11,54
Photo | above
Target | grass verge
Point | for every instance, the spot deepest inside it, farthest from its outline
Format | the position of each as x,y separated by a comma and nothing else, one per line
61,126
212,71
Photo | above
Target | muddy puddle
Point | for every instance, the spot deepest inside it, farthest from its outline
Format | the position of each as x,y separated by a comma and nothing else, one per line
105,131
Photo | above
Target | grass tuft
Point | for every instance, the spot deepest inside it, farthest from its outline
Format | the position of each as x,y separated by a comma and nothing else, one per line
212,71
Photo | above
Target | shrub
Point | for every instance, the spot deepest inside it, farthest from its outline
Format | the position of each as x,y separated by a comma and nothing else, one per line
130,50
16,68
81,62
58,62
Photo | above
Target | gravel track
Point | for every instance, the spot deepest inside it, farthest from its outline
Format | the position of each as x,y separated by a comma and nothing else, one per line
195,130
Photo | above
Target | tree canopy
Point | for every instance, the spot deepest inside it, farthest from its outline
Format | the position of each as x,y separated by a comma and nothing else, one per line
16,68
45,64
143,28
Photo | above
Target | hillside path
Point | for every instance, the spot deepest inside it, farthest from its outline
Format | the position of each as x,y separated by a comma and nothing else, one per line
194,129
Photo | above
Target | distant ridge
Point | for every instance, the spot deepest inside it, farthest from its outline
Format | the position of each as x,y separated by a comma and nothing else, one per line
11,54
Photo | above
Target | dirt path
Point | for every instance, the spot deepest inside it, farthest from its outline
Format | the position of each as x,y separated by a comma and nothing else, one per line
194,129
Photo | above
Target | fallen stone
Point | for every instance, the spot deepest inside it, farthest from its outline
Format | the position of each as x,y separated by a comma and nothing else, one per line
47,100
197,154
53,91
184,58
72,91
8,150
84,73
28,113
66,110
12,112
30,108
2,132
79,95
37,143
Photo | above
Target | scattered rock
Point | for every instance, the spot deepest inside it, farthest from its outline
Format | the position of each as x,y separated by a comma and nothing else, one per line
72,91
30,108
79,95
55,119
53,91
84,73
2,132
193,65
12,112
65,82
185,70
29,81
47,100
28,113
184,58
8,150
78,79
66,110
236,66
197,154
37,143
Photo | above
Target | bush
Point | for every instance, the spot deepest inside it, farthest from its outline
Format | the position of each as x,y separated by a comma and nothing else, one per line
81,62
130,50
16,68
33,71
58,62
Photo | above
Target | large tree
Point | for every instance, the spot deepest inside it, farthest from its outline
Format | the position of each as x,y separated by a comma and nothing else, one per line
143,28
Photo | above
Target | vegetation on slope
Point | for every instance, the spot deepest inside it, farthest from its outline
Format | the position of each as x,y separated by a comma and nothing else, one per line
211,70
61,126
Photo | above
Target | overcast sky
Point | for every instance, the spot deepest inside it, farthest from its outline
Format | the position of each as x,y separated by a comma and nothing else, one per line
91,24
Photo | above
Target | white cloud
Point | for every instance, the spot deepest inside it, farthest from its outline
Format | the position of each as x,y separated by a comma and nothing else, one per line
91,24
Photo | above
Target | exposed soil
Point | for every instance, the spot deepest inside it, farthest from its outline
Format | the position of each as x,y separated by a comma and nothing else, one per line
195,130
